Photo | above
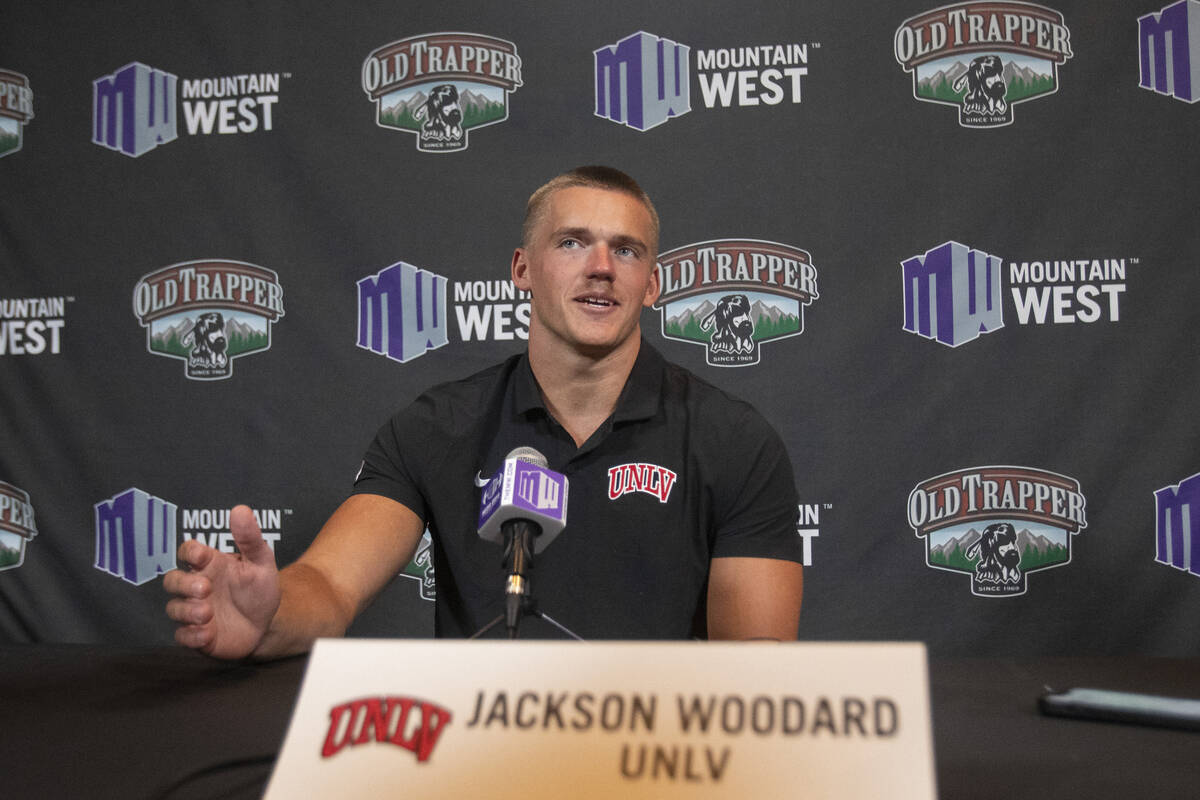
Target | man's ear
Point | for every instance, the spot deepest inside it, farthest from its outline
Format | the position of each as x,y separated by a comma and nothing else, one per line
520,270
653,289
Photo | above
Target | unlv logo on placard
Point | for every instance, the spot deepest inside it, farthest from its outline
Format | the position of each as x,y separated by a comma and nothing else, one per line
386,720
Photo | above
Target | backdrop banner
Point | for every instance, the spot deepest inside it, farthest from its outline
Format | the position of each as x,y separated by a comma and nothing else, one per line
236,237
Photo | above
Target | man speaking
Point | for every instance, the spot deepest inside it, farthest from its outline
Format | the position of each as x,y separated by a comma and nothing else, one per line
682,502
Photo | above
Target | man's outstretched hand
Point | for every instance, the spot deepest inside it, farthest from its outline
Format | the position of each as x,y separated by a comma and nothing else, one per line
223,602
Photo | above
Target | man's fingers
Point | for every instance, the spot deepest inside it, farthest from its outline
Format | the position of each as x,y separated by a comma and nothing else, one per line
189,612
248,537
186,584
194,636
195,555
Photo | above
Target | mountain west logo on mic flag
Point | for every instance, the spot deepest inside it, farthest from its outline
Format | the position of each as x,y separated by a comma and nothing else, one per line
17,526
983,57
734,295
997,524
16,109
208,313
441,85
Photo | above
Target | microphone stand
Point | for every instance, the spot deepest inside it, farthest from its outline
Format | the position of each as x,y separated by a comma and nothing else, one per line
518,592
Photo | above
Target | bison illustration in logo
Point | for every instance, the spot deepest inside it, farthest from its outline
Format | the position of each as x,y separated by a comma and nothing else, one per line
999,556
443,117
731,326
207,340
986,89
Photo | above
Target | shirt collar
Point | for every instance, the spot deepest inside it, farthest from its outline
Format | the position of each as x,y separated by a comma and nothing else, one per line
638,400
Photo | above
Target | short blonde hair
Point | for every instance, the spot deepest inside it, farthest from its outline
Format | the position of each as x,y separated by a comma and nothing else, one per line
592,177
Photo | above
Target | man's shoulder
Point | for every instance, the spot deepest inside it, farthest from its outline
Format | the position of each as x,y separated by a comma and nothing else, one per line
477,383
452,404
700,396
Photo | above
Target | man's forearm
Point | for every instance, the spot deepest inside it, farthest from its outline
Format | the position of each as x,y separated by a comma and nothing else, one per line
308,610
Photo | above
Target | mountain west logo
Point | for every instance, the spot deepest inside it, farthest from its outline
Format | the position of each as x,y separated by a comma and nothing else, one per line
16,109
1169,51
134,110
17,527
644,80
997,524
32,325
403,311
952,293
208,313
1177,525
983,57
441,85
135,536
136,532
734,295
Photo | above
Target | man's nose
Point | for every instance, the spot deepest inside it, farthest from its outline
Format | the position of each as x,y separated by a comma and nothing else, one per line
601,262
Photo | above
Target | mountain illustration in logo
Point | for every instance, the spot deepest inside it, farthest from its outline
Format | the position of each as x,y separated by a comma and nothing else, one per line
241,337
476,110
1037,552
1021,82
770,321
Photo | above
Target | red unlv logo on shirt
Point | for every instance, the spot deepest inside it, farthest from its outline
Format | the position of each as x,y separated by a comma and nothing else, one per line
649,478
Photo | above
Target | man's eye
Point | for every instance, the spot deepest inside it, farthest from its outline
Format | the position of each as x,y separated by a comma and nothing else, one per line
626,251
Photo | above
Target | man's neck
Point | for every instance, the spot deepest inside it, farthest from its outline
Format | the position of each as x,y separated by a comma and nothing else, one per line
581,391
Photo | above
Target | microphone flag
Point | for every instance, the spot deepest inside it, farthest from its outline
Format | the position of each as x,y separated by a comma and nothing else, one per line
527,491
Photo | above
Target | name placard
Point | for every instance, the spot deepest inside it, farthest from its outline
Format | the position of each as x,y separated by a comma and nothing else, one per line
625,719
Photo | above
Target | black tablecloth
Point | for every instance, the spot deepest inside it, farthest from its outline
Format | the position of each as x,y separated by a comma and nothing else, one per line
104,722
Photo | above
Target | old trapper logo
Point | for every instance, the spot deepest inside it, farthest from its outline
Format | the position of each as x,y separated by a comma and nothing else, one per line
420,569
16,109
983,57
17,526
997,524
441,85
208,313
734,295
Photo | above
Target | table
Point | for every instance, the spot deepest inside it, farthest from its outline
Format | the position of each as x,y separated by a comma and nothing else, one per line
119,722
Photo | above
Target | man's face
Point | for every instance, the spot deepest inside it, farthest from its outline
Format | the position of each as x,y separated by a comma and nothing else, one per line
590,269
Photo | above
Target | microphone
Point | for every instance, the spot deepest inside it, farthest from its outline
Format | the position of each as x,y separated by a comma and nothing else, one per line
524,507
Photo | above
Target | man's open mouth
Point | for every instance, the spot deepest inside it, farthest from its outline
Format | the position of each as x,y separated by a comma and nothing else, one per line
595,302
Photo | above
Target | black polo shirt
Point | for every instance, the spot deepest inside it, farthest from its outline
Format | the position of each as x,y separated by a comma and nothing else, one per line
679,474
